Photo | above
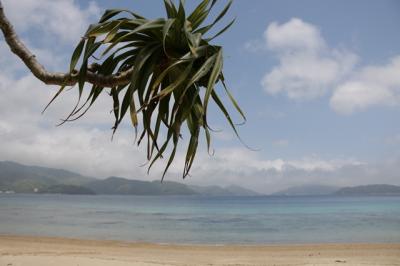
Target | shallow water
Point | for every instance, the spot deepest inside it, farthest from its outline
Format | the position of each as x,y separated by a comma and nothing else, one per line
203,220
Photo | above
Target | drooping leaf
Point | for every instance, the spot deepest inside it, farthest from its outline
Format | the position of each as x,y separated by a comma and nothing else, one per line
174,69
76,55
216,71
221,31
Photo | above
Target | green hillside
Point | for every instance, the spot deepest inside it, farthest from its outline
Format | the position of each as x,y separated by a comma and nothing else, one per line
34,179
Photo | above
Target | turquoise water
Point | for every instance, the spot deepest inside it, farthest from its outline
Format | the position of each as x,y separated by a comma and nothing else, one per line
202,220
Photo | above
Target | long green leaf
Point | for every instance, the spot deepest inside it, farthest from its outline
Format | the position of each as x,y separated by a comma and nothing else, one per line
205,29
153,24
235,104
76,55
166,29
113,12
201,15
177,83
213,78
221,31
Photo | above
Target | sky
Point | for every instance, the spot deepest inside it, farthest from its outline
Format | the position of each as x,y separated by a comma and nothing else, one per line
319,82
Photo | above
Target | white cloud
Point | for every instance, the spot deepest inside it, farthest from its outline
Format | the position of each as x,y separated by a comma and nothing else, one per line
242,160
247,168
307,68
370,86
83,146
86,150
62,18
294,35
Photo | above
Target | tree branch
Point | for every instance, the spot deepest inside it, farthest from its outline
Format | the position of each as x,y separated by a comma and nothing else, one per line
54,78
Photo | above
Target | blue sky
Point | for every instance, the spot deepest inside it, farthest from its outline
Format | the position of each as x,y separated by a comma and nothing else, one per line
318,80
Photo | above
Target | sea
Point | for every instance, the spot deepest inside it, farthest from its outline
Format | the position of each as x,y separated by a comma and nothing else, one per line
204,220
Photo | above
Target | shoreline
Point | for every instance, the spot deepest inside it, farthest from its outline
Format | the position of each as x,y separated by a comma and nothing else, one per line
189,244
32,250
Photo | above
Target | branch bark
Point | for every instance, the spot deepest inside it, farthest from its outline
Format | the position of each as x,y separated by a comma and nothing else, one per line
54,78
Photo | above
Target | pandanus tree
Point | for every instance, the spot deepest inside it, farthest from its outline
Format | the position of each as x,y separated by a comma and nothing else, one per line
163,72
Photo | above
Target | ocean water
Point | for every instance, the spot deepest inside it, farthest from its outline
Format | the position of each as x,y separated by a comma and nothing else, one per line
203,220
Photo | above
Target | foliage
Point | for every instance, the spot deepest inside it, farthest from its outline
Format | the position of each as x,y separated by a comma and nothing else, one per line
174,73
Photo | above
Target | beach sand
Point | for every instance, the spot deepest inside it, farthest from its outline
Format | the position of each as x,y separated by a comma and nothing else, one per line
45,251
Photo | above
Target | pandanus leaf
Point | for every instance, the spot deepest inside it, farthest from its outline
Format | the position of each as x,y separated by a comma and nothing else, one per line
175,73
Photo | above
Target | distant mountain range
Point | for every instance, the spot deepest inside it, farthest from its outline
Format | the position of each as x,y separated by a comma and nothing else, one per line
320,190
122,186
370,190
24,179
226,191
18,178
21,178
307,190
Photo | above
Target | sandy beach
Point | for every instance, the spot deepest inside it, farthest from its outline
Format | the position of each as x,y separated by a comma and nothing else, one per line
44,251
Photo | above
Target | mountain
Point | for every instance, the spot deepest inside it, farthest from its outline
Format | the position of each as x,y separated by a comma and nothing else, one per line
27,179
370,190
210,190
68,189
122,186
34,179
241,191
320,190
307,190
223,191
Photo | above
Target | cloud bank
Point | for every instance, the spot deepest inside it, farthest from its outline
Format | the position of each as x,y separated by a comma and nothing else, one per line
63,20
369,86
309,68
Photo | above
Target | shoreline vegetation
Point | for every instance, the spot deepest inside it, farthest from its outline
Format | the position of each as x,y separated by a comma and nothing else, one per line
43,251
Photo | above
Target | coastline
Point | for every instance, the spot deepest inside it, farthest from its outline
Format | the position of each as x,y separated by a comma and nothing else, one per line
29,250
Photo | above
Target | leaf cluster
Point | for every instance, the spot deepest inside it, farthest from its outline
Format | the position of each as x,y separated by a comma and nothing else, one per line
175,70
